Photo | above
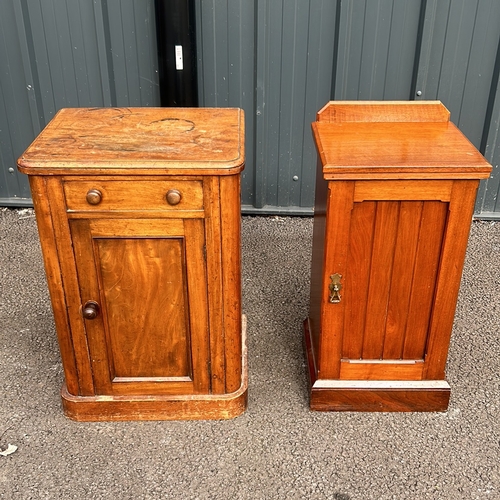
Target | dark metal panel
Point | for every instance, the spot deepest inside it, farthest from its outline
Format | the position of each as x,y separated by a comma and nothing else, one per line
146,53
30,72
132,52
279,60
225,39
460,41
39,60
15,110
457,66
104,63
294,69
376,49
274,59
57,54
292,93
176,32
321,47
80,20
123,55
268,74
488,199
213,52
63,54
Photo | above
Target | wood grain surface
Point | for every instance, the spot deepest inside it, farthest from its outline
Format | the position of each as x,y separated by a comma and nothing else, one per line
383,112
401,186
111,140
139,215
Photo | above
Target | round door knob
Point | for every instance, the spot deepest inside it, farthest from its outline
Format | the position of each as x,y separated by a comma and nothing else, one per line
94,197
90,309
173,197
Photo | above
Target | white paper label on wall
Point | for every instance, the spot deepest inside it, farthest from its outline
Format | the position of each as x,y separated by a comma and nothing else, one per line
178,57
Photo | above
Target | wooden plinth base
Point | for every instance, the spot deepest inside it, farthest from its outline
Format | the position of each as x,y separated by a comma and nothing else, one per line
187,407
372,395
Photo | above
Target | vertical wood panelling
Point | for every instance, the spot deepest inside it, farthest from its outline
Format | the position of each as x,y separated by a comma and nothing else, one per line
384,240
434,215
358,277
402,278
388,307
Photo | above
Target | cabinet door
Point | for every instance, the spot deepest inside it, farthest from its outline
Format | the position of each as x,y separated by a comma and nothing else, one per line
148,277
399,247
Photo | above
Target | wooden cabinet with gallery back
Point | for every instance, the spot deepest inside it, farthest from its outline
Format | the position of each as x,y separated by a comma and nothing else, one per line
395,193
138,211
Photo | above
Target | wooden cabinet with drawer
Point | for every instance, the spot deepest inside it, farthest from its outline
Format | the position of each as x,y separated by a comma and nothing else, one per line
139,218
396,184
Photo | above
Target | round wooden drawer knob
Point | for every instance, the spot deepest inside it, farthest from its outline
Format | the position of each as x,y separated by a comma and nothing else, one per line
90,310
94,197
173,197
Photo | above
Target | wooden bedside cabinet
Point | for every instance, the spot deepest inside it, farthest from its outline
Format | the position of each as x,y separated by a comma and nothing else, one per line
138,211
395,192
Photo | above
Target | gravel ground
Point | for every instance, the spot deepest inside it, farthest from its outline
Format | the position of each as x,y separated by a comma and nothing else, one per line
278,449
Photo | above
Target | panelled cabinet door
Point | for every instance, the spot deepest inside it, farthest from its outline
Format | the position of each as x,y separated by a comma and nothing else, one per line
144,293
395,245
388,261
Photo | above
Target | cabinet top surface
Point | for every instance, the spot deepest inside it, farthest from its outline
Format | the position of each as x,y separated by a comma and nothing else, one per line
373,138
114,140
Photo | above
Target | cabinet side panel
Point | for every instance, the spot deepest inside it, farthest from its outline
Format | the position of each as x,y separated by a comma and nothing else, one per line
317,262
144,287
231,278
54,281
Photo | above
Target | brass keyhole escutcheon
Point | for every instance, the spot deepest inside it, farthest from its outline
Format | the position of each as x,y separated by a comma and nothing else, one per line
335,287
94,197
173,197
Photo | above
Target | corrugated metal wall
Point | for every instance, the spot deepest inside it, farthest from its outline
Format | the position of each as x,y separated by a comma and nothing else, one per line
59,53
281,60
274,59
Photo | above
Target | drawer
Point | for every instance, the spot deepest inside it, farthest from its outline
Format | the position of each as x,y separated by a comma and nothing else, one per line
142,195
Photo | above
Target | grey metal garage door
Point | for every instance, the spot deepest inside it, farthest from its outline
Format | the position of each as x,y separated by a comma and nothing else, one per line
281,60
